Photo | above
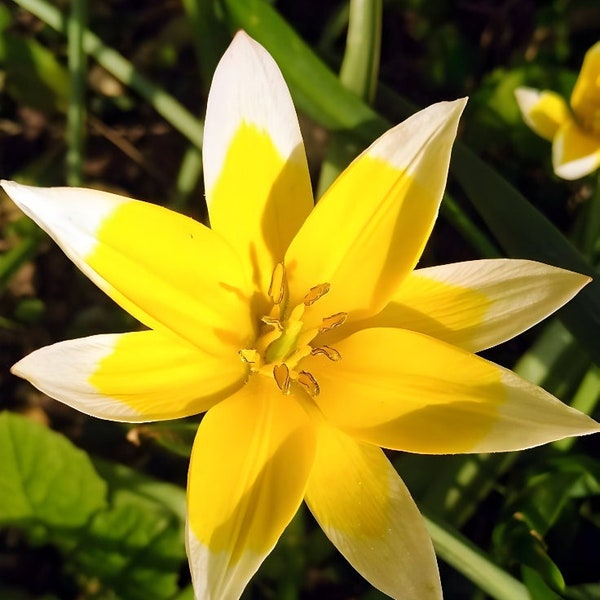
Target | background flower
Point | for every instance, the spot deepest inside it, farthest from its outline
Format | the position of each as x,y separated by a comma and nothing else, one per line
575,131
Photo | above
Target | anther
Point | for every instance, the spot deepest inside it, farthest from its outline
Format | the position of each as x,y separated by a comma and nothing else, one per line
333,321
330,353
315,293
309,383
281,374
249,356
278,284
272,322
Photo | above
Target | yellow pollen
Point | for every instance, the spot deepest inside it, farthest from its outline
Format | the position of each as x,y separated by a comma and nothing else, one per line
330,353
281,374
309,383
333,321
278,285
249,356
272,322
315,293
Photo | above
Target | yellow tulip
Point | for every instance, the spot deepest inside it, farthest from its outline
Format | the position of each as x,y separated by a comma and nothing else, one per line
305,332
575,131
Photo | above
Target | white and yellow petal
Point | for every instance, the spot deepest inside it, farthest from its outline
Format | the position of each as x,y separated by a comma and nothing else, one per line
256,178
366,511
543,111
133,377
368,231
404,390
250,463
575,151
585,98
475,304
169,271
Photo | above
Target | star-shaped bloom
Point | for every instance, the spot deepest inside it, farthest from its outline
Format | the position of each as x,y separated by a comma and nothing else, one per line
575,131
304,331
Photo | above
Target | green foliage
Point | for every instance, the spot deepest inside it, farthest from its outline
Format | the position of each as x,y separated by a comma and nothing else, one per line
45,482
112,524
34,77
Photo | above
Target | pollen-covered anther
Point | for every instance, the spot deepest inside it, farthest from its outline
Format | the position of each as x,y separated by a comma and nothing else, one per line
327,351
281,374
315,293
309,383
276,323
249,356
333,321
278,285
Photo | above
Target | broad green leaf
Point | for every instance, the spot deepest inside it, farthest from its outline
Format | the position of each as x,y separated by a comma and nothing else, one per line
136,546
44,480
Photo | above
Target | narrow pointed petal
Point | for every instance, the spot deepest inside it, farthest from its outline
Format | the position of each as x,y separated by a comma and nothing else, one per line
475,304
585,99
256,177
368,231
575,152
543,111
403,390
250,463
133,377
366,511
169,271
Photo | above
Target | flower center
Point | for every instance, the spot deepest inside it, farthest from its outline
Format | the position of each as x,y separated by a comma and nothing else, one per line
284,340
591,121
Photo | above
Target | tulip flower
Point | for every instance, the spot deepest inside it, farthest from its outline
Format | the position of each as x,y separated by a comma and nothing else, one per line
574,131
304,331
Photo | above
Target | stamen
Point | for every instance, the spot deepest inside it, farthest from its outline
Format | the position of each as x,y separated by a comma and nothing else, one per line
278,284
249,356
333,321
272,322
309,383
315,293
281,373
330,353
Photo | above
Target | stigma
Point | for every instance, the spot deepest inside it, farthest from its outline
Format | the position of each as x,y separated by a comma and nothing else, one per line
284,340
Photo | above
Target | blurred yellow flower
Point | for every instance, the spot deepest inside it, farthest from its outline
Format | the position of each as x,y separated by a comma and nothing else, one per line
574,132
304,331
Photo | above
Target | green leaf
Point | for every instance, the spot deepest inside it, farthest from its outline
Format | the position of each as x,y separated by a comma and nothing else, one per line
534,509
465,557
538,590
44,479
33,76
518,543
136,546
